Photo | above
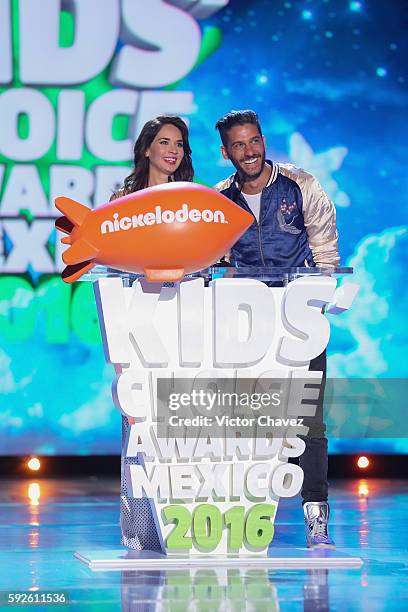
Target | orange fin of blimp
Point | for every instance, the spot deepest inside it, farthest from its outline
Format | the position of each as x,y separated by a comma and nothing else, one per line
71,273
74,212
80,256
164,276
80,251
63,224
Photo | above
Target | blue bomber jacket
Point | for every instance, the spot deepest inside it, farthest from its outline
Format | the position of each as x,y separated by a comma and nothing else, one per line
297,222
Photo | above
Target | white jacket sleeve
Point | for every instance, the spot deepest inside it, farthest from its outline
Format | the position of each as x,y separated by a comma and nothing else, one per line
319,216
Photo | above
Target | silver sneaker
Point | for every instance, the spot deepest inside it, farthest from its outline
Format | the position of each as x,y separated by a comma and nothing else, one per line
316,520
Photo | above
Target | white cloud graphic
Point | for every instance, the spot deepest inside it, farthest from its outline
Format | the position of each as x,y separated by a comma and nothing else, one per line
321,165
8,384
95,413
375,325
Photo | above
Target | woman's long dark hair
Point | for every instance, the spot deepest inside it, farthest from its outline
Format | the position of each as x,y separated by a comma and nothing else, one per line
139,177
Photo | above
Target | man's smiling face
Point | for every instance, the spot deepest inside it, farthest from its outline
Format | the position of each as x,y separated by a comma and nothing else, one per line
246,150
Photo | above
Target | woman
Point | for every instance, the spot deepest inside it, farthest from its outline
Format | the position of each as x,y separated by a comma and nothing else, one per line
162,153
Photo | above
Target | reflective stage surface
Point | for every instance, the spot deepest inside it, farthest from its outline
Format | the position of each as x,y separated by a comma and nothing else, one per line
43,522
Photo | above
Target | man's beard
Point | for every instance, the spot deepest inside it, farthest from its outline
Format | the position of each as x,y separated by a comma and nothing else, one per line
244,177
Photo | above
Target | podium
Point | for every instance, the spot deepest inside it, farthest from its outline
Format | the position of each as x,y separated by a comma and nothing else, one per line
211,376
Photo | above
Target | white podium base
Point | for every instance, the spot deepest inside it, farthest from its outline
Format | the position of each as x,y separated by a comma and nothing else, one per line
279,558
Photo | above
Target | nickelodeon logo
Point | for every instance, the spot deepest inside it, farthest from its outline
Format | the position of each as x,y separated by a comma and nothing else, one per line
182,215
192,227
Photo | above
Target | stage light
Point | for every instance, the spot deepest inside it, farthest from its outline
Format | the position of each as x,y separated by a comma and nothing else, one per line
34,493
363,490
261,79
34,464
307,15
381,72
363,462
355,6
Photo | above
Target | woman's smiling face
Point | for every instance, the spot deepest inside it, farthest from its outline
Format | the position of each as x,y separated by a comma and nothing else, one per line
166,151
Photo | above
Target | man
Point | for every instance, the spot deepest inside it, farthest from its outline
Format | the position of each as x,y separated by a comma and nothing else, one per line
295,226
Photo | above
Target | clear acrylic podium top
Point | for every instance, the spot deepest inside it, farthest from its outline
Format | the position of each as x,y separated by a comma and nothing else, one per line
269,274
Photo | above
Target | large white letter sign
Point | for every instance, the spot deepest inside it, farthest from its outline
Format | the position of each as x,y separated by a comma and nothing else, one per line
191,317
154,103
99,124
168,42
201,361
44,62
73,181
201,8
70,127
41,120
29,246
128,324
131,393
111,303
303,317
24,191
244,321
6,61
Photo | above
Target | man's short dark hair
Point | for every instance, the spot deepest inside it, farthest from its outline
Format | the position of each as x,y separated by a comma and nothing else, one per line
233,118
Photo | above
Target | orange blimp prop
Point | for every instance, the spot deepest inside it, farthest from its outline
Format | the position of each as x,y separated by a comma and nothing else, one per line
164,231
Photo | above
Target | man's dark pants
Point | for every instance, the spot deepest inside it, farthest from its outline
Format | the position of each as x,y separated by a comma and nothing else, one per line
314,461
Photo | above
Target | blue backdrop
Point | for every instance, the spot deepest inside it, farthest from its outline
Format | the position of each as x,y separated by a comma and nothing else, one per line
328,80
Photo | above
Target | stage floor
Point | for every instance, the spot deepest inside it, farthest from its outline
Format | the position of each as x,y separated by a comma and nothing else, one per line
43,522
